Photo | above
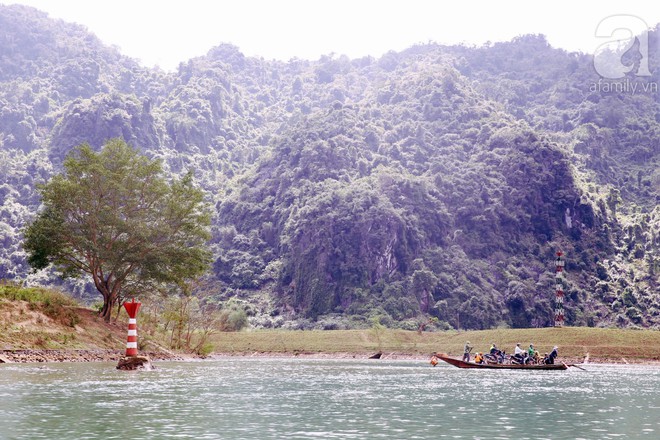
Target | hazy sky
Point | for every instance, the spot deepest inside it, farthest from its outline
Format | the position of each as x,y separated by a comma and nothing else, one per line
168,32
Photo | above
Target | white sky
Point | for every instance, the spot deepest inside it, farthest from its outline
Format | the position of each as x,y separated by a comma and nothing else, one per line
167,32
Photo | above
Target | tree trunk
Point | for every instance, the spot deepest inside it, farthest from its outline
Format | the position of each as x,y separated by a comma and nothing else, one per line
119,304
108,293
109,301
105,310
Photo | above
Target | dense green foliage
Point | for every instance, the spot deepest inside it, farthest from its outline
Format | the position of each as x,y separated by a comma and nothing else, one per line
112,215
436,182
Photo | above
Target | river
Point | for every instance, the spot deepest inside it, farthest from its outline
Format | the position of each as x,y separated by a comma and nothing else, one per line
289,398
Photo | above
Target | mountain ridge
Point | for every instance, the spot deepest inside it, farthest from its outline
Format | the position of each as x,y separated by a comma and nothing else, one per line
436,182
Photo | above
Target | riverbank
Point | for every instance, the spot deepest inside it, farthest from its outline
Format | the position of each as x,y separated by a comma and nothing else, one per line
48,356
55,330
425,359
39,356
576,344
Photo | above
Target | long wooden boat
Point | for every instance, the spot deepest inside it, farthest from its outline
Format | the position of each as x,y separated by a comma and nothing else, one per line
462,364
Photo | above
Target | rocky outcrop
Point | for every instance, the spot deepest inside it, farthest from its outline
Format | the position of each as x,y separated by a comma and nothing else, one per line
134,363
25,356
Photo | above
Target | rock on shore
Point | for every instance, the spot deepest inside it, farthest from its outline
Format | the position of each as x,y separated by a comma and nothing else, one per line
24,356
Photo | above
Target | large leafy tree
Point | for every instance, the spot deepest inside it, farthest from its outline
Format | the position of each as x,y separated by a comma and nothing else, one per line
112,215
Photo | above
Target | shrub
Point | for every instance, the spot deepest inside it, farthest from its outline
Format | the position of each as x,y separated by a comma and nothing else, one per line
232,320
206,349
409,324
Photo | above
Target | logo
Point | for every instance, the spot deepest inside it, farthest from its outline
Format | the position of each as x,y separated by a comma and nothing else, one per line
625,34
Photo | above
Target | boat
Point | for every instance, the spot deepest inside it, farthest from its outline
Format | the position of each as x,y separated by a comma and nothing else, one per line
463,364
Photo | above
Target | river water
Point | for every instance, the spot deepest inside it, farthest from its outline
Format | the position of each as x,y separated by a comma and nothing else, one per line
257,398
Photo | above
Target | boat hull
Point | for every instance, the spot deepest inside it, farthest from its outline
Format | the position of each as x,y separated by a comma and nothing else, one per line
462,364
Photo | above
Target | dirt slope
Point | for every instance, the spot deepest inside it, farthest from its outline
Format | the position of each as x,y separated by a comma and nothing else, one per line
22,326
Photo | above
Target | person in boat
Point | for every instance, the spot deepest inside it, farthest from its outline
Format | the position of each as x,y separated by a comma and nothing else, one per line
550,358
496,353
466,351
531,353
519,354
479,358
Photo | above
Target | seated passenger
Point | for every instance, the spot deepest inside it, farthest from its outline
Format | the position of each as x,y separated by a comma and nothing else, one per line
519,355
550,358
530,353
496,354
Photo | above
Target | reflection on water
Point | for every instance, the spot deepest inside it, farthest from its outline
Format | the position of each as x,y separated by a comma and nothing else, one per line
247,398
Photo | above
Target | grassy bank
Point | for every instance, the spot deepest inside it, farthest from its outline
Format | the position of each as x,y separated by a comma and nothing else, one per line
44,319
573,342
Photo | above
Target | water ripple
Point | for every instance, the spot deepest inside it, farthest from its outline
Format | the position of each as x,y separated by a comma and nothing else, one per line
240,398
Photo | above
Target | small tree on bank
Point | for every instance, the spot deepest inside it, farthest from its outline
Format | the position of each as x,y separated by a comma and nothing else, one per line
113,215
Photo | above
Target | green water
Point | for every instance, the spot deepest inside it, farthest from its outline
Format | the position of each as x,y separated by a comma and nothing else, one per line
248,398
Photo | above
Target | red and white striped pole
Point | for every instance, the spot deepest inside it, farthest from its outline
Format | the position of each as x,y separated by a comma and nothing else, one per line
131,343
559,290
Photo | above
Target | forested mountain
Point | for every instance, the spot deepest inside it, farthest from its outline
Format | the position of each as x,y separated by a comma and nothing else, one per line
437,182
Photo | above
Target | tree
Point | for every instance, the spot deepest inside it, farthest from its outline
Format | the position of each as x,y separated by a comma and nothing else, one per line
113,215
192,316
424,281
